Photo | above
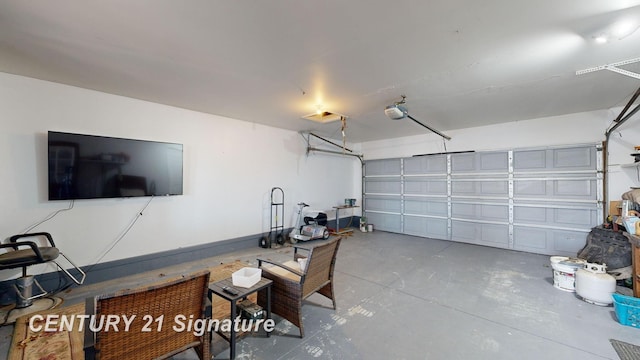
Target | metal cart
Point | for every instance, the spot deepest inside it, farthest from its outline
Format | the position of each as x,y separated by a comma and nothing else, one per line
276,230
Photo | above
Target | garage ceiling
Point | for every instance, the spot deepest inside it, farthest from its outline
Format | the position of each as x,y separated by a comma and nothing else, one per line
460,63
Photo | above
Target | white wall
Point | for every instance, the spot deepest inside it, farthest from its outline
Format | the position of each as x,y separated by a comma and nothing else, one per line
578,128
230,167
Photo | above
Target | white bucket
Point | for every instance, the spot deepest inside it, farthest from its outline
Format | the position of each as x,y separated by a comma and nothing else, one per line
564,272
369,227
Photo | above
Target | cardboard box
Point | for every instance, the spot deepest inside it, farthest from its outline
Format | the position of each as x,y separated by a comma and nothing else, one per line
615,207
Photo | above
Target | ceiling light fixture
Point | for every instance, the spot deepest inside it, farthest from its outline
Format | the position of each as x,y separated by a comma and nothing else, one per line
618,30
398,111
324,116
601,39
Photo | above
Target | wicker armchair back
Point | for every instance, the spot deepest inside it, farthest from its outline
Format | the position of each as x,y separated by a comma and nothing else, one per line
291,285
151,334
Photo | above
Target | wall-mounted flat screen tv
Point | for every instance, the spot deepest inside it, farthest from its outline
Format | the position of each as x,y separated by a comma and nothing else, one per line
92,167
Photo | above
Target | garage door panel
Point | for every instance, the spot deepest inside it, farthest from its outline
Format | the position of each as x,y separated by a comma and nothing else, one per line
464,231
571,217
463,188
479,233
425,186
479,162
463,162
385,222
494,188
479,211
565,189
480,187
494,212
383,185
531,239
422,206
575,188
534,215
383,167
558,160
530,188
435,164
577,217
566,242
427,227
495,234
463,210
530,160
381,203
493,161
548,241
572,158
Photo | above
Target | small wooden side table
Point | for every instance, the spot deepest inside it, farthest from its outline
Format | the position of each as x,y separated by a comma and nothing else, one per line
217,288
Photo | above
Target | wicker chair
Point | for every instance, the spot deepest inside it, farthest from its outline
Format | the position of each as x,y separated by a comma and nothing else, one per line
291,285
153,305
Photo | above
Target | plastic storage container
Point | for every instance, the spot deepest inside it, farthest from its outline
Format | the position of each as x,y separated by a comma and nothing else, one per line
627,310
564,272
246,277
630,224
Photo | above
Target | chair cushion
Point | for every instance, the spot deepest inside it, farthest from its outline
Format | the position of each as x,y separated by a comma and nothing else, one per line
26,257
283,272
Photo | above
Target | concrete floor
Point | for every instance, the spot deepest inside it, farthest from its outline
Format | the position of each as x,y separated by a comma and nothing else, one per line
405,297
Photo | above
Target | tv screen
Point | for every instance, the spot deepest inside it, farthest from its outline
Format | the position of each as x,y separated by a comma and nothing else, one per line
91,167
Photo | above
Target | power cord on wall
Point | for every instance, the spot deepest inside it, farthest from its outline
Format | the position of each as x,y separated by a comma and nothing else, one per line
49,217
124,233
66,284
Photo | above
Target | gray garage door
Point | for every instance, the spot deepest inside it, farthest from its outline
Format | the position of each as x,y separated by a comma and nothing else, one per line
536,200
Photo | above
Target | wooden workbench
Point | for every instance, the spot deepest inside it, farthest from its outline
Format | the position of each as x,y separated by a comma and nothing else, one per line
346,231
